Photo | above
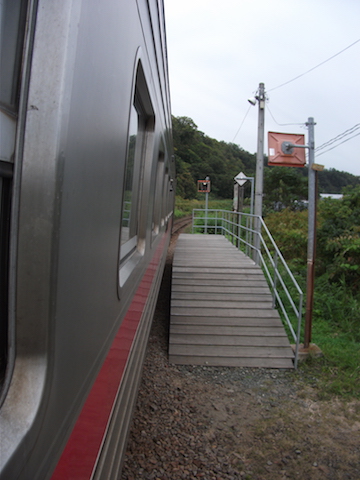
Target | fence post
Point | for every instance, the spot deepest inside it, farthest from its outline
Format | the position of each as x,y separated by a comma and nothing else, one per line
275,277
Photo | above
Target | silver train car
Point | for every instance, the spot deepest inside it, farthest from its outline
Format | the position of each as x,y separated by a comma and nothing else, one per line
86,189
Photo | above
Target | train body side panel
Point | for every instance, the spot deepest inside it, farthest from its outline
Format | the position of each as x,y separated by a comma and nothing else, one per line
73,318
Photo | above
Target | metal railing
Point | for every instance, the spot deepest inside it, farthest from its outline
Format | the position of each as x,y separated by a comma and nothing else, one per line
250,234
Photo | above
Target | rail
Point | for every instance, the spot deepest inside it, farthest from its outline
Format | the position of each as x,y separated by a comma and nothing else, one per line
250,234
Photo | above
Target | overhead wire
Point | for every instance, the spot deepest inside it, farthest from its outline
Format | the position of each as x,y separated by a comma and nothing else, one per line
246,114
332,148
316,66
292,80
282,124
348,132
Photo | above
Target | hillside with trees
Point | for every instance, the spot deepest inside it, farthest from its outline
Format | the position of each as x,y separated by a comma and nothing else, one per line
198,156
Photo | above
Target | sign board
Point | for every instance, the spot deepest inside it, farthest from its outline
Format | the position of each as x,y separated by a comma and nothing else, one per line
278,155
204,186
241,179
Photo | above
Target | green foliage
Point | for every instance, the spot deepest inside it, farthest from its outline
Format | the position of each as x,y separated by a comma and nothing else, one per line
184,207
339,238
336,311
336,306
283,187
198,156
333,181
330,180
289,229
185,186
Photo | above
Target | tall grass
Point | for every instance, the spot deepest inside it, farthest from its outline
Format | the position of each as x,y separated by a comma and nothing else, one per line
184,207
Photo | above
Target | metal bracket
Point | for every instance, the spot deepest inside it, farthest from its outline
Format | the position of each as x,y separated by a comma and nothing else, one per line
287,148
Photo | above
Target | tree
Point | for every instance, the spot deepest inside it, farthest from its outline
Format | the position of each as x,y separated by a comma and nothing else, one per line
283,187
206,156
222,161
185,185
339,238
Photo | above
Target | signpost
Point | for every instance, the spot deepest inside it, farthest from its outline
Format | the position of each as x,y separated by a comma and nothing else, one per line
204,187
241,179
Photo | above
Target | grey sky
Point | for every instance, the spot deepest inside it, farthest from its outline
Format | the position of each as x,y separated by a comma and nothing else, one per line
219,51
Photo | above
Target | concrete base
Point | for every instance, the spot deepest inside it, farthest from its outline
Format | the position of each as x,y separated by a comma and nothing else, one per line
304,353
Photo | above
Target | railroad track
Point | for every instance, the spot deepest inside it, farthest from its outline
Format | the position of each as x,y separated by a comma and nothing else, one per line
180,224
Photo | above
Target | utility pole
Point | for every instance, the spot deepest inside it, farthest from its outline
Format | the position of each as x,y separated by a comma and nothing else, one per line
259,178
312,203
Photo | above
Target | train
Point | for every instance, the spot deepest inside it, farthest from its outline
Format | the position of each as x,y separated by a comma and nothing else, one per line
87,182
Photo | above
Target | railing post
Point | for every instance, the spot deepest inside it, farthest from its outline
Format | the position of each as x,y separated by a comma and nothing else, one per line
257,242
275,277
247,236
298,332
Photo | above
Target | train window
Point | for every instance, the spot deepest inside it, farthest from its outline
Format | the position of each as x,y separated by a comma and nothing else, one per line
158,194
165,197
5,195
12,30
141,127
12,33
129,217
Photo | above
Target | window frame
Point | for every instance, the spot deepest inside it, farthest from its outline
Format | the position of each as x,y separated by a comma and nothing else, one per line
132,250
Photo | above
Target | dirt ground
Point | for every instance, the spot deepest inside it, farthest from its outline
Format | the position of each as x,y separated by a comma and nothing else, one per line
235,423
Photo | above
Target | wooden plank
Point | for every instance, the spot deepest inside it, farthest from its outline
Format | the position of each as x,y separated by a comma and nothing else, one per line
228,270
242,274
222,296
229,340
245,330
204,314
256,321
209,289
250,282
200,304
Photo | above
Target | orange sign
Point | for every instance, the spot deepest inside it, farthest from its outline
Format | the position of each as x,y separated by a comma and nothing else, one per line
283,151
204,186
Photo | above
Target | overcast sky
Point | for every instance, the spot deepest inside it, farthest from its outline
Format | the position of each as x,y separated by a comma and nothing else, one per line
219,52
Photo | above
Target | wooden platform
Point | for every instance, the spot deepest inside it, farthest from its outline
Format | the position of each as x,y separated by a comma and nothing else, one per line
221,308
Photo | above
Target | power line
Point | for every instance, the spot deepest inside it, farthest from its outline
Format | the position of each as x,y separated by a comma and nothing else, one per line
332,148
339,137
347,132
313,68
282,124
246,114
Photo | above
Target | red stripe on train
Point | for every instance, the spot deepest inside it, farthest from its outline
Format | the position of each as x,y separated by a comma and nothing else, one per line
81,451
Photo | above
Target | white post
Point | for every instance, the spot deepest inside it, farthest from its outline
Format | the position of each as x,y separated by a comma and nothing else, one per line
312,201
259,179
